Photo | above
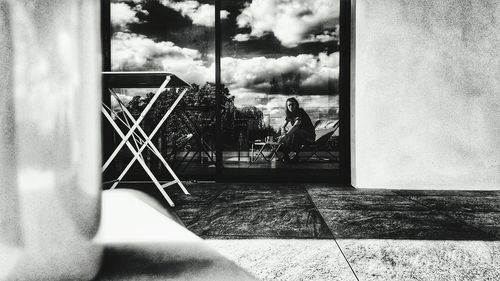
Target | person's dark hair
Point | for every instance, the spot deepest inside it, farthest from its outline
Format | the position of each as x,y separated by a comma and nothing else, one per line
288,112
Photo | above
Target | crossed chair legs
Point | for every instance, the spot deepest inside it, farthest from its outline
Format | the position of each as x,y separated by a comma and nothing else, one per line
142,141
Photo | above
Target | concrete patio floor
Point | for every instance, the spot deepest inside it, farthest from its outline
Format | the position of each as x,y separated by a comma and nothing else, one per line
326,232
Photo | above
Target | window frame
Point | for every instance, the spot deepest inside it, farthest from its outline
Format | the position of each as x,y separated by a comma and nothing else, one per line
222,174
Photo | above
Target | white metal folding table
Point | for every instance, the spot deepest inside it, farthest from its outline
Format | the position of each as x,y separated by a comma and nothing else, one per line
140,140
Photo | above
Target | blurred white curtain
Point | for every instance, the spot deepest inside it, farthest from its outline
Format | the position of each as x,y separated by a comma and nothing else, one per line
50,155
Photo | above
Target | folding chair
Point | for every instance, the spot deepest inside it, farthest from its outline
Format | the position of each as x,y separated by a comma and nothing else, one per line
203,148
178,144
324,131
140,139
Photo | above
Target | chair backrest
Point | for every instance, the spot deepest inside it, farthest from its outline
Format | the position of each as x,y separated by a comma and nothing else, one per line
179,144
324,129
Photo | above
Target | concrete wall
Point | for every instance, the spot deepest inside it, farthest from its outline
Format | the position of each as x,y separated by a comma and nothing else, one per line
426,104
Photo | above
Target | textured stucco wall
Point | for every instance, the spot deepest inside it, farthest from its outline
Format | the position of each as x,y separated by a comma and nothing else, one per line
426,104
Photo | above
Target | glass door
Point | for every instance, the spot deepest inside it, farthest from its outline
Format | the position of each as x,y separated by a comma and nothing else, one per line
272,53
177,37
275,53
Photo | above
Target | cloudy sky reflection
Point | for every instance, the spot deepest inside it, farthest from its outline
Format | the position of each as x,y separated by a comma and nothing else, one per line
293,42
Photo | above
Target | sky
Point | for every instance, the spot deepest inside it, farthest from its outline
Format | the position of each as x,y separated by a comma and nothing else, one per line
291,41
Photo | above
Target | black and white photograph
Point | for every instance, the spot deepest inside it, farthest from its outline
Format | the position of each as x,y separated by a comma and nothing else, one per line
249,140
272,53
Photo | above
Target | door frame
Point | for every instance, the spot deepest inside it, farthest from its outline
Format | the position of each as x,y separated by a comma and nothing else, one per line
225,174
253,175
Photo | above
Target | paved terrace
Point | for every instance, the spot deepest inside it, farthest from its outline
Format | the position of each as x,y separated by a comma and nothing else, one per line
326,232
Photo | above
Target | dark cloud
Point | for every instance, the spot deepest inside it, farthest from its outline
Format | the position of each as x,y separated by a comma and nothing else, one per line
267,45
160,19
162,23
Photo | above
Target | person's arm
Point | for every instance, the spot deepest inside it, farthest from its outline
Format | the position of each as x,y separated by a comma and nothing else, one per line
283,129
295,126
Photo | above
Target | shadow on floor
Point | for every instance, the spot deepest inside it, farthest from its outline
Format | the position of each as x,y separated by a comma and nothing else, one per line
322,211
162,261
419,215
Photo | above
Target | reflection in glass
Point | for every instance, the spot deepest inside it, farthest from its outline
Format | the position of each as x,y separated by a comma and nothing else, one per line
273,50
176,37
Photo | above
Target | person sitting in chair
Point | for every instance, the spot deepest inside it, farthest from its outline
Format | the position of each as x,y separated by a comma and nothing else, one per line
302,130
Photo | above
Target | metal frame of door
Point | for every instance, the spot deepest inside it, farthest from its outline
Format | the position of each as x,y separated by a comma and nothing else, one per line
238,174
